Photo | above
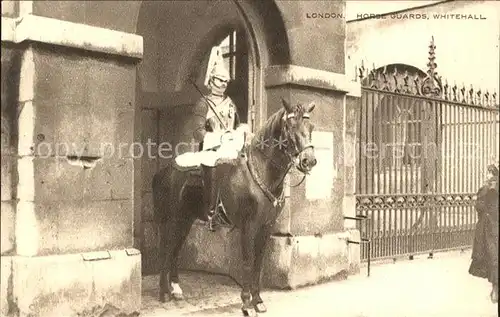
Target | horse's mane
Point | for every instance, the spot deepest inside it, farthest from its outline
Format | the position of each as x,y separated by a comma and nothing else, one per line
270,128
274,123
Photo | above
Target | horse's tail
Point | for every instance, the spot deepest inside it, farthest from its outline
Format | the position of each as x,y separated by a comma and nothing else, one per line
161,192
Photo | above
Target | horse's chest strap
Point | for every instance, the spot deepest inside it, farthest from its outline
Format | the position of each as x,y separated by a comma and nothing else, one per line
277,201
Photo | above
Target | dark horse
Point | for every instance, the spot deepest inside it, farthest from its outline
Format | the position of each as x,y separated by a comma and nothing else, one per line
252,191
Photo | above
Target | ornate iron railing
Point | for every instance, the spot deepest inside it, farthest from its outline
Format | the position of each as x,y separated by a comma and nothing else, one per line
422,153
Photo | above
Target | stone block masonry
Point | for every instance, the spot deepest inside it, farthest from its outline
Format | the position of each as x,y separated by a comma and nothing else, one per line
71,285
69,236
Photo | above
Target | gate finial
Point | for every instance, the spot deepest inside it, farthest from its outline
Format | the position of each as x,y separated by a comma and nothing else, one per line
431,85
431,65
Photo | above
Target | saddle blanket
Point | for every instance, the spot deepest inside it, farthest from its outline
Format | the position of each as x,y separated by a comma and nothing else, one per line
220,147
207,158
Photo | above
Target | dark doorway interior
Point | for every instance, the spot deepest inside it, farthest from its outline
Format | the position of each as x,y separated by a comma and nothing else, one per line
178,37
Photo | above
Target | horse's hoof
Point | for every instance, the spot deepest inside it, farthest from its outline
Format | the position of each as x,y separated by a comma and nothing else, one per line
249,312
260,308
176,291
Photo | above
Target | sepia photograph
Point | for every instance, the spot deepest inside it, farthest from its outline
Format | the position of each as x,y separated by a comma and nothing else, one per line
169,158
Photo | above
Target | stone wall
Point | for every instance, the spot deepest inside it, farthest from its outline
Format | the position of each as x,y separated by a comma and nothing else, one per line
68,111
70,106
82,106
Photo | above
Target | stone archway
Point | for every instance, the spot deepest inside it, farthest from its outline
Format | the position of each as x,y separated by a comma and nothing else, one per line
173,56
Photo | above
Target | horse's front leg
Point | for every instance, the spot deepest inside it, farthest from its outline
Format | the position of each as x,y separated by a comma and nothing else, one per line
260,245
248,234
174,288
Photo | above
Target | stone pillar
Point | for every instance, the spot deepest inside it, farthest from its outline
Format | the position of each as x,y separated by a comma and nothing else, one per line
310,240
73,232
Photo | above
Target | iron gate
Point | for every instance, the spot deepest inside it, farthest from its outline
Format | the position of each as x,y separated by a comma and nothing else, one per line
422,153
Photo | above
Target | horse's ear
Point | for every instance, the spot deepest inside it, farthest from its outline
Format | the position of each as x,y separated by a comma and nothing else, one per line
286,105
310,107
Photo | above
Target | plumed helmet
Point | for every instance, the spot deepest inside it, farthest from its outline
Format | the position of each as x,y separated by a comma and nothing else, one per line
215,67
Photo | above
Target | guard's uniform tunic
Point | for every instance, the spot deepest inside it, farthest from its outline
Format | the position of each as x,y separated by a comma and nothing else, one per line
218,137
218,143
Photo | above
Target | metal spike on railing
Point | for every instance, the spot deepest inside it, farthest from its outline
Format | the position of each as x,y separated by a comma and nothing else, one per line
445,90
478,98
464,95
454,89
494,100
418,86
362,71
439,90
471,95
396,83
405,80
486,98
385,84
372,76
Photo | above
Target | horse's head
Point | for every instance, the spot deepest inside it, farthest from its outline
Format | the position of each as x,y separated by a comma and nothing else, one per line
297,131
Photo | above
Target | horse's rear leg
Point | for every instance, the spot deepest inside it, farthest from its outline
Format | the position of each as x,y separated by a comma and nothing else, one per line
184,226
165,252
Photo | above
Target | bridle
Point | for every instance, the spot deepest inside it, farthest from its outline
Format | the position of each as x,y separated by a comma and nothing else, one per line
292,153
295,152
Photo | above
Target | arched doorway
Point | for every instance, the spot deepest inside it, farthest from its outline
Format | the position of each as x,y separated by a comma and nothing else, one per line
178,37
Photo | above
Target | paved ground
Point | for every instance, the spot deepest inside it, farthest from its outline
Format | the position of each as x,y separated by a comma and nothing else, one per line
419,288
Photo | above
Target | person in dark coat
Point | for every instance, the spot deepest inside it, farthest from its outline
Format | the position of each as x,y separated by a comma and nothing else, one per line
485,248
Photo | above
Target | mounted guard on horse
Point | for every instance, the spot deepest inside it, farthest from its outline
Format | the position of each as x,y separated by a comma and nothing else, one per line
218,130
250,175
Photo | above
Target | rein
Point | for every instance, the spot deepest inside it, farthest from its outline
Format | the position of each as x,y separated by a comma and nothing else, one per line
290,165
276,200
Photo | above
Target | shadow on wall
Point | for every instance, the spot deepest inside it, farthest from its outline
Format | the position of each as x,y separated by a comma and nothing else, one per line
11,64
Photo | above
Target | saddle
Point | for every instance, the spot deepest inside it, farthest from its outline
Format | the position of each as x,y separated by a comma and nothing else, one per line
194,181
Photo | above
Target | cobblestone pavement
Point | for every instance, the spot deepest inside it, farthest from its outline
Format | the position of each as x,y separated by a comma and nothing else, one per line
419,288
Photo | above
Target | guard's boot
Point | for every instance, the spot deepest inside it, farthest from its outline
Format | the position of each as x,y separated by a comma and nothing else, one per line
209,192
